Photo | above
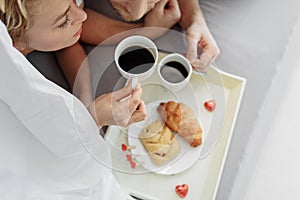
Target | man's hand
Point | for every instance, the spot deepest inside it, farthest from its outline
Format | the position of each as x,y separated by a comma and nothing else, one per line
200,41
202,48
165,14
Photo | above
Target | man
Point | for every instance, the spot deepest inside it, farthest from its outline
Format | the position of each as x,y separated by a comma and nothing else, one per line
192,21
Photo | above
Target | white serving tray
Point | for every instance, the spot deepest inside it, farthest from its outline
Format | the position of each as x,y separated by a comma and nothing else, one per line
204,175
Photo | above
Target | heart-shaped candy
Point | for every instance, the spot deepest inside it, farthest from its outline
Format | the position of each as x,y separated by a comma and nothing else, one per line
182,190
210,105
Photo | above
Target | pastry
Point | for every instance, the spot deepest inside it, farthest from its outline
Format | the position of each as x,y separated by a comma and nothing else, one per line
159,142
180,118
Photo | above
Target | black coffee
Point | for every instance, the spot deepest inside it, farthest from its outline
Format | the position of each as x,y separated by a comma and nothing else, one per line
136,60
174,72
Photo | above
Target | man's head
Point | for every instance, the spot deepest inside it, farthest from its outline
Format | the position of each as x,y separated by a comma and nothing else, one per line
132,10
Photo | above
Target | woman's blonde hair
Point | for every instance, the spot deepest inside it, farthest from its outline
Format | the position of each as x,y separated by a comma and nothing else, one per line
16,16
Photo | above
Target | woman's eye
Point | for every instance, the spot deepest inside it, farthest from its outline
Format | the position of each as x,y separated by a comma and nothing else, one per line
65,24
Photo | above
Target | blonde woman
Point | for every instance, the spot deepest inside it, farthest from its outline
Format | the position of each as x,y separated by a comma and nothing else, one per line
44,26
97,28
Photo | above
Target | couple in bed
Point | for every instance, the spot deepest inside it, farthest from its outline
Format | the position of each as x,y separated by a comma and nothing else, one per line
60,25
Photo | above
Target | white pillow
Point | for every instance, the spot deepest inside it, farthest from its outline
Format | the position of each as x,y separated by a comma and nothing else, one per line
51,143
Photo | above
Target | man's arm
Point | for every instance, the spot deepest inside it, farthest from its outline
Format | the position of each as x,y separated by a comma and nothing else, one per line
97,28
190,11
197,35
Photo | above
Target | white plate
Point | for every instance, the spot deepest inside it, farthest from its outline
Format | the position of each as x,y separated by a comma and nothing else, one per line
185,159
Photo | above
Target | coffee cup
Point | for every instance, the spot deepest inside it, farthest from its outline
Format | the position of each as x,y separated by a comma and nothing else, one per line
174,71
136,58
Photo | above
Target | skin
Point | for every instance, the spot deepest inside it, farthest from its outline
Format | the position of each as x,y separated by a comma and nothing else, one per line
192,21
189,16
167,11
198,36
58,25
132,10
77,71
48,37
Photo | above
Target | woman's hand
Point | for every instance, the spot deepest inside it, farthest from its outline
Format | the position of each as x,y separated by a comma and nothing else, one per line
121,107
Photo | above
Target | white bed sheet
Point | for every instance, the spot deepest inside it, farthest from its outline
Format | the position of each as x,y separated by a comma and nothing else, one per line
50,147
270,168
253,37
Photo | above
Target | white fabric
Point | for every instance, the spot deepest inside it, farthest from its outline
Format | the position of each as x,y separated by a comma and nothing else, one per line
253,38
270,169
50,147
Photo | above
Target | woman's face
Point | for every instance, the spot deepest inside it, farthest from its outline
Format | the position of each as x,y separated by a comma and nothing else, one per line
57,24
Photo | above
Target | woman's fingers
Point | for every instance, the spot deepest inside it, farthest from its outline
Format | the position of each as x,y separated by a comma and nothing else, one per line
135,99
139,114
123,92
123,109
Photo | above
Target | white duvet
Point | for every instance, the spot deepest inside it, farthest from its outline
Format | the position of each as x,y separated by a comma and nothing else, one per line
50,147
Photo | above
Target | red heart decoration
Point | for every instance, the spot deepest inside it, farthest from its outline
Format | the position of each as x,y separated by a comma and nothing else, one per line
133,164
182,190
210,105
129,157
124,147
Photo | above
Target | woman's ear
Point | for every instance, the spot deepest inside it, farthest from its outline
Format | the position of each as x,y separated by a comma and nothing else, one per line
22,47
18,44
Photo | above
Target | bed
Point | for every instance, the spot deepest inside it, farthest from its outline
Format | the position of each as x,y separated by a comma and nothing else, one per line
254,38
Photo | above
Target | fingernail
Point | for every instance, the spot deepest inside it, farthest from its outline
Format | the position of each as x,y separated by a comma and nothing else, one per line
134,83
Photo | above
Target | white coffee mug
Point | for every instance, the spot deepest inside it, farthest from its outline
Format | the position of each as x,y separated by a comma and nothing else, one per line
174,71
136,58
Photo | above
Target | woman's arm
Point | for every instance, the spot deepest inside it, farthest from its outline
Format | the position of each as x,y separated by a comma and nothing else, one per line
76,68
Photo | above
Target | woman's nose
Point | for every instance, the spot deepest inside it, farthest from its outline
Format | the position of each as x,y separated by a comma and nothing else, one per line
79,15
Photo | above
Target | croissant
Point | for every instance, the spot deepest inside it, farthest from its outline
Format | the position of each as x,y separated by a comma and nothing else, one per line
160,142
180,118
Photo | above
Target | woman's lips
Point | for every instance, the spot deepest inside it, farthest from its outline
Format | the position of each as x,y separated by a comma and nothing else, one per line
78,32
